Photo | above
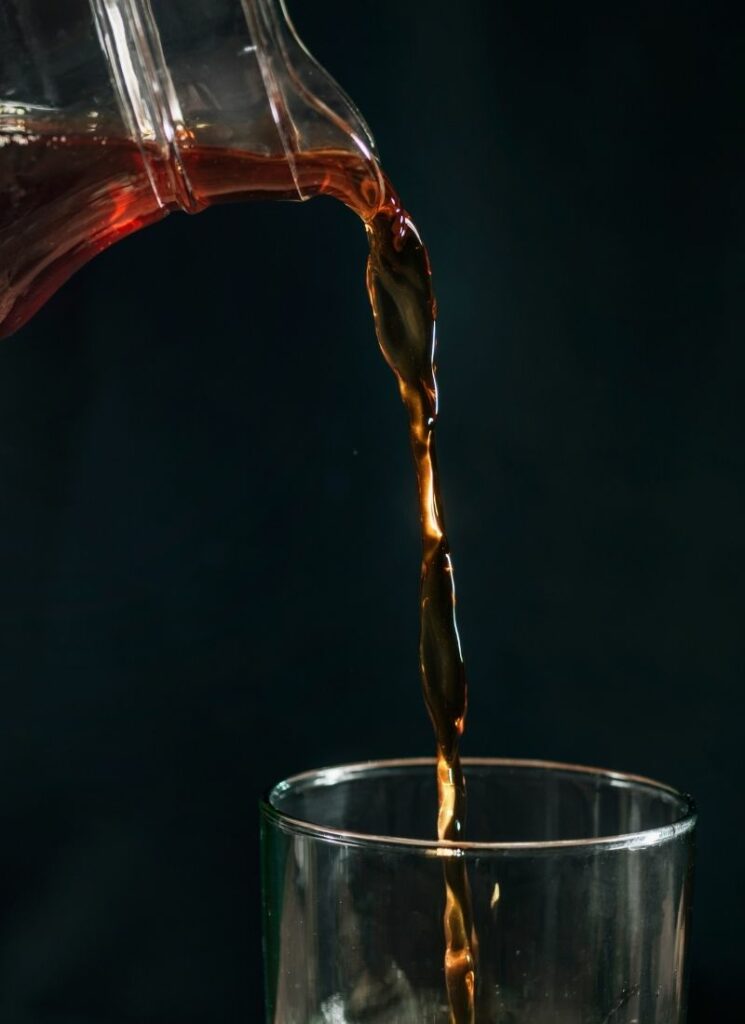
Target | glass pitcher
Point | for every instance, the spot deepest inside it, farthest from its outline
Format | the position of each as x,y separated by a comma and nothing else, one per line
115,112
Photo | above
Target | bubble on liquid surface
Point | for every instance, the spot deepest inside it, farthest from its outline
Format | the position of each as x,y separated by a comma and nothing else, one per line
415,1008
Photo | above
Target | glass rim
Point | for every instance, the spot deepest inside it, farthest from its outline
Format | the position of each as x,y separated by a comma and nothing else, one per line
449,848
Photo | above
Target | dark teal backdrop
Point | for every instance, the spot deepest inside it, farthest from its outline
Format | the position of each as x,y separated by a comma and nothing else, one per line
207,517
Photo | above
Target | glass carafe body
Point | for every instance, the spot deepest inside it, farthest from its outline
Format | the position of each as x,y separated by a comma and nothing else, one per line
115,112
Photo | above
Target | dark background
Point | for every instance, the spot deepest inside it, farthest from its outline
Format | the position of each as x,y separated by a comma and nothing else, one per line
207,511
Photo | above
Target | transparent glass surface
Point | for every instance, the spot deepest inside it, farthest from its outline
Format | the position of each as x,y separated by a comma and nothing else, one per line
581,884
115,112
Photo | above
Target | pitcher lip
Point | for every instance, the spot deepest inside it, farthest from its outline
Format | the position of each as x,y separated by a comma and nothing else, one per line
442,848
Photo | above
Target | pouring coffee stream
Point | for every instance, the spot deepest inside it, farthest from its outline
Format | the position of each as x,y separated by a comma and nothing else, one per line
115,131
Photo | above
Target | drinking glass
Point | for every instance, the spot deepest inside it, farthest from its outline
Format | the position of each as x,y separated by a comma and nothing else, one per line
580,882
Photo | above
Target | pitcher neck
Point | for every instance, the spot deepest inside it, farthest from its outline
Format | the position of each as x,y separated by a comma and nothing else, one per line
233,74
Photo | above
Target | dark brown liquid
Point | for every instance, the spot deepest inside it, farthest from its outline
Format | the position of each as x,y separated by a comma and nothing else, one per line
400,289
62,200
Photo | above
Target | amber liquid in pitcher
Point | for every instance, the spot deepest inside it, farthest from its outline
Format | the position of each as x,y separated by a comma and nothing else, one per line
64,199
